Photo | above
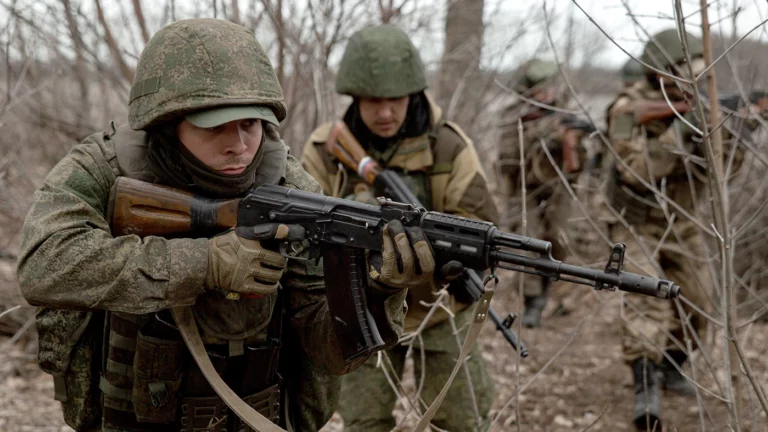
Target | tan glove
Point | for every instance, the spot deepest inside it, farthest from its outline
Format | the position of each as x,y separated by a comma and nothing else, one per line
241,265
406,259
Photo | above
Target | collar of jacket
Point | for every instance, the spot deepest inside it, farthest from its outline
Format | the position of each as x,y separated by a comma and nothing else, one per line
131,154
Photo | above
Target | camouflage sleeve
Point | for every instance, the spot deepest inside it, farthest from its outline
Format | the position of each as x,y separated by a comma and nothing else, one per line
312,162
69,259
467,193
307,305
650,157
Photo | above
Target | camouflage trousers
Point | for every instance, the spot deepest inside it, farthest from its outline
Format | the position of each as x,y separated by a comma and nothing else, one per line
367,399
651,325
546,215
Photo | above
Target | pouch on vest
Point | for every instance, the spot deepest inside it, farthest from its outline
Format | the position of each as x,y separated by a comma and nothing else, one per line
68,349
158,370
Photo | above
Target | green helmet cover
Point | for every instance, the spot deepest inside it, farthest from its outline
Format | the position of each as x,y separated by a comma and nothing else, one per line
632,71
198,64
380,62
669,42
536,72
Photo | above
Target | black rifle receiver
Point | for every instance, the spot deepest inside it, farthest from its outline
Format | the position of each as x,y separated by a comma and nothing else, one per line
336,226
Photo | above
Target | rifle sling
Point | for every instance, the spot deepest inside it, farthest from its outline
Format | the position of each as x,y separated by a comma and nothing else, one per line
185,322
480,313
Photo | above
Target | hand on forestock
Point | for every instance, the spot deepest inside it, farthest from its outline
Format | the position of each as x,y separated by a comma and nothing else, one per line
238,263
406,259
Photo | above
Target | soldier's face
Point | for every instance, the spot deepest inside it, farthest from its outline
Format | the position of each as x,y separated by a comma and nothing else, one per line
227,149
384,116
543,94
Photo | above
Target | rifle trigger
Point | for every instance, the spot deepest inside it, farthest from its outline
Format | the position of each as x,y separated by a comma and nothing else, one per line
289,250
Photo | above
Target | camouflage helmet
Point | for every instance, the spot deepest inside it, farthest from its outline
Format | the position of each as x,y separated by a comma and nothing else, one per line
196,64
632,71
671,51
536,72
380,62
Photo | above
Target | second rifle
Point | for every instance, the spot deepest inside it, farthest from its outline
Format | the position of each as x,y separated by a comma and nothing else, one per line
343,145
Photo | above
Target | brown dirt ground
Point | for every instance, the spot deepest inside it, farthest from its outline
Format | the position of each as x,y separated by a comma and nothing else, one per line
585,385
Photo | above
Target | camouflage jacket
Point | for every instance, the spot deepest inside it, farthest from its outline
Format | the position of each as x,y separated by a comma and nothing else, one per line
658,154
70,262
443,164
538,169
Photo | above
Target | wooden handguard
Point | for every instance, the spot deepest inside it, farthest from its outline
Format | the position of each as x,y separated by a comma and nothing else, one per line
649,111
345,147
571,150
147,209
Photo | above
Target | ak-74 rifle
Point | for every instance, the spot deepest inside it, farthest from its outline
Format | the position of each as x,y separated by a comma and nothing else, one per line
469,287
573,128
647,111
340,230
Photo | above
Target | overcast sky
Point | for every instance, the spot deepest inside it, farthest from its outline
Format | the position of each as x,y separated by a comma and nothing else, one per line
505,18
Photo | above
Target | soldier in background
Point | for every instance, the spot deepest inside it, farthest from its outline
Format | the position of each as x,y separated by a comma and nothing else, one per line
547,209
632,72
658,150
402,128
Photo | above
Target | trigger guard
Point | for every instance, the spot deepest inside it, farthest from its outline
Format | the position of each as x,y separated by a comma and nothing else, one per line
283,249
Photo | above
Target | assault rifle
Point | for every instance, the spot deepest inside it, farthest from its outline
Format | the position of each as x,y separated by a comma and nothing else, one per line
573,125
573,128
469,287
341,230
648,111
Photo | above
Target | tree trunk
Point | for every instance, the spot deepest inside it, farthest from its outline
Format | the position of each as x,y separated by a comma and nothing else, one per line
79,66
235,12
140,19
460,64
114,48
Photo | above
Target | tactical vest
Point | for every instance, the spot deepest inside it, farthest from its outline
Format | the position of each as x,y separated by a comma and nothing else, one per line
144,372
426,179
638,205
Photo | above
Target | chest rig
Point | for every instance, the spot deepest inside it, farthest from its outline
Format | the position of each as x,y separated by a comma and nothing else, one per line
412,159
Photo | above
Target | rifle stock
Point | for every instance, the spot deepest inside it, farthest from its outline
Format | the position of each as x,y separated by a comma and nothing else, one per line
345,147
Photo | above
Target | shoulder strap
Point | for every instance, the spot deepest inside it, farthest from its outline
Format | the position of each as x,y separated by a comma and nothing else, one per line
481,312
185,322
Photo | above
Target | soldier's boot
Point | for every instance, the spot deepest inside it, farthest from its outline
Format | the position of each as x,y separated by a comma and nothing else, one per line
534,306
647,411
671,379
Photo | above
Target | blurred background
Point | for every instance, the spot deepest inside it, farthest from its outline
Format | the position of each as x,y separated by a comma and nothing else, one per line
66,68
